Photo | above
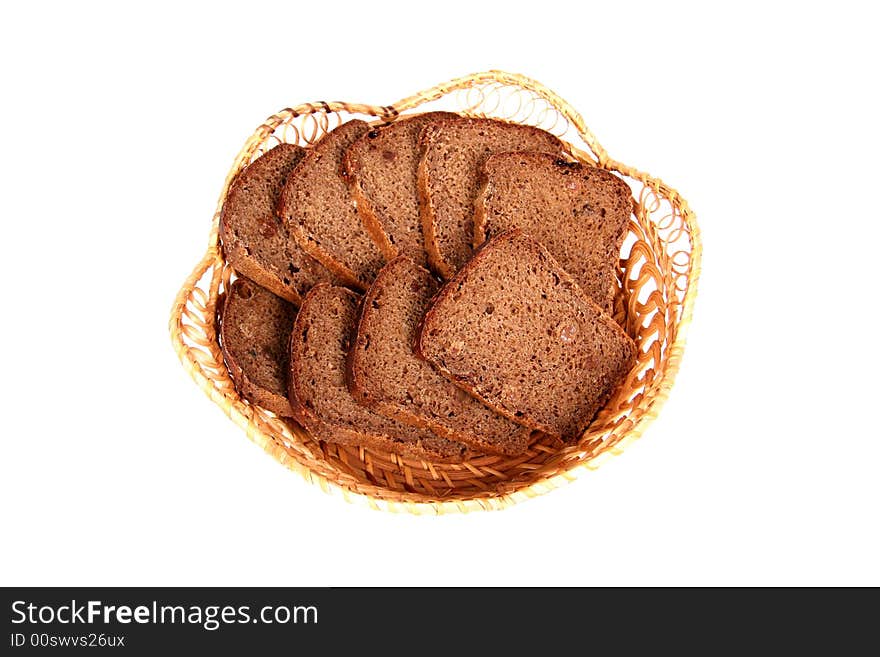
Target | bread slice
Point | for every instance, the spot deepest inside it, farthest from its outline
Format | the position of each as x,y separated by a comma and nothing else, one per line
385,374
579,213
515,330
319,344
255,241
454,151
381,167
254,335
318,208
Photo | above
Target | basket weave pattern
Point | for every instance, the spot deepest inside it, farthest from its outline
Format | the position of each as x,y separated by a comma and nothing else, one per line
659,267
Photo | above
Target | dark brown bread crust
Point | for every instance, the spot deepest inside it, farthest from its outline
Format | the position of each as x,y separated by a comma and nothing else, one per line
579,213
319,343
254,335
381,168
255,241
317,207
385,374
454,151
515,330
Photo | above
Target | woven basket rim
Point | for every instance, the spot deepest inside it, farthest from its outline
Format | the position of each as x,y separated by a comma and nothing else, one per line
255,421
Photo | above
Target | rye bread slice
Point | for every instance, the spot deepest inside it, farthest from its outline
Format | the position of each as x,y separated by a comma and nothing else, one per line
514,329
319,210
255,241
579,213
382,169
319,344
454,151
254,335
385,374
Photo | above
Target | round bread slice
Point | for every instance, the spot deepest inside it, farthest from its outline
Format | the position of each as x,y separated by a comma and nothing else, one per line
454,151
579,213
319,344
382,169
254,334
318,208
513,328
385,374
255,241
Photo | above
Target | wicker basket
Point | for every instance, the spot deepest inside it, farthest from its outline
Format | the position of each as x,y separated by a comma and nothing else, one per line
658,274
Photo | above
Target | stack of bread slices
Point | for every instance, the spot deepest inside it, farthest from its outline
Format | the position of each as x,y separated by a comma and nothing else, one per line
437,287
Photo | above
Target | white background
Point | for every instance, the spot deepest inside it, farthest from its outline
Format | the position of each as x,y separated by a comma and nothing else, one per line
118,127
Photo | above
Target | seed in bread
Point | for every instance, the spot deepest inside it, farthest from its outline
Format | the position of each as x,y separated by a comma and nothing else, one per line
385,374
382,169
454,151
255,241
318,208
514,329
319,345
254,335
579,213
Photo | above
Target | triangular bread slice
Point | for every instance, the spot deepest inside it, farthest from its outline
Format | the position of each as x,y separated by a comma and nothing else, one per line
385,374
514,329
319,344
382,169
255,241
319,210
578,212
454,151
254,333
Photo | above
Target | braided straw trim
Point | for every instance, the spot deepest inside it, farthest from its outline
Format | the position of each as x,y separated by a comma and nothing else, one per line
659,268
